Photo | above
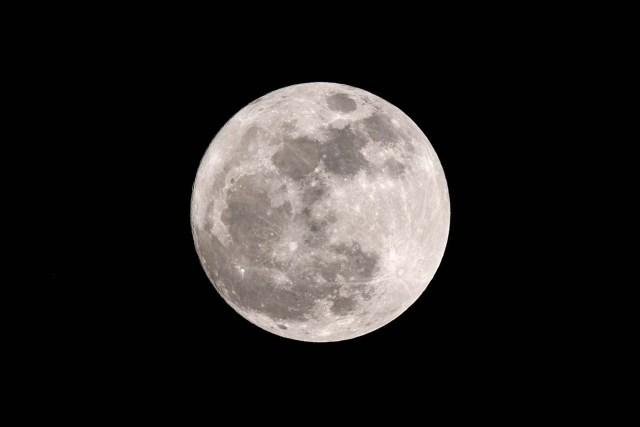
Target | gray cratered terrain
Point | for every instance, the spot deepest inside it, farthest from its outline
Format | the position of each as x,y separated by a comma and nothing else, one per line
320,212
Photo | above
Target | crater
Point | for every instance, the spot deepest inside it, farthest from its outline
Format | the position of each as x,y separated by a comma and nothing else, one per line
341,102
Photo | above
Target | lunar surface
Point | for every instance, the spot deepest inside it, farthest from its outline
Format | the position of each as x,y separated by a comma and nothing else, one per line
320,212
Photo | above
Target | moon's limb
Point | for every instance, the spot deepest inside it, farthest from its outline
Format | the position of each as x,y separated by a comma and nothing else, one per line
320,212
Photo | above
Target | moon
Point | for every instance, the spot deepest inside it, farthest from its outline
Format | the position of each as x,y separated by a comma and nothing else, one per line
320,212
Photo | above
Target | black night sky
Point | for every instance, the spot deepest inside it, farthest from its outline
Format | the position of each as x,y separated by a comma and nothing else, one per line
121,158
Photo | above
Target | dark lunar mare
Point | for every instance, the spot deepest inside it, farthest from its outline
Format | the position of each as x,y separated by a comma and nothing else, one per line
340,153
341,102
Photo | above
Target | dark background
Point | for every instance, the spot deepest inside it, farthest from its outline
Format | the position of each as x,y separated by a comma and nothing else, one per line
109,111
126,124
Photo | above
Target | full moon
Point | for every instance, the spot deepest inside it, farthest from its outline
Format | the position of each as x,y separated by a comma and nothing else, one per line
320,212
